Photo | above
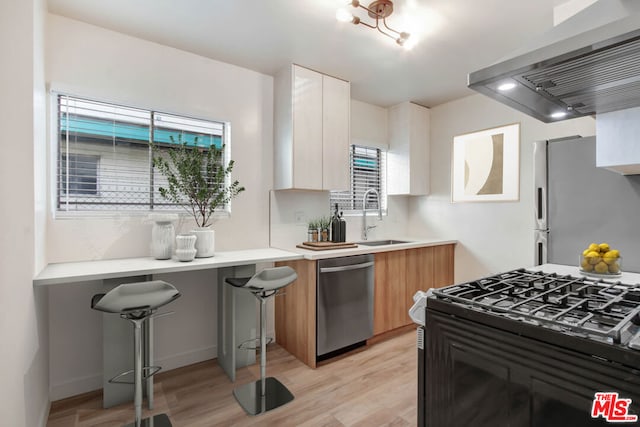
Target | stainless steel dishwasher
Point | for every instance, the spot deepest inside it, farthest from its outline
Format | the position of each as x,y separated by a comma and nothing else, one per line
344,304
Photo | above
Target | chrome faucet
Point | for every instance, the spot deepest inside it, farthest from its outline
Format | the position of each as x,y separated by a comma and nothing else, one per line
365,227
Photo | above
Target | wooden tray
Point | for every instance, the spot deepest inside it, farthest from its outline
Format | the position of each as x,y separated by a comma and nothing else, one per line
324,246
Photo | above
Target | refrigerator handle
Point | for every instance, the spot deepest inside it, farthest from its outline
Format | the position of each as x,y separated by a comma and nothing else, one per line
541,205
540,247
540,184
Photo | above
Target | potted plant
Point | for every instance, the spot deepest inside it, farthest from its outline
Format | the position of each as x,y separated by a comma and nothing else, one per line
324,223
312,233
197,181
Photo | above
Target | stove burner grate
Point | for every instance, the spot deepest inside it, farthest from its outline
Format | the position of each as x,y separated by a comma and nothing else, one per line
591,308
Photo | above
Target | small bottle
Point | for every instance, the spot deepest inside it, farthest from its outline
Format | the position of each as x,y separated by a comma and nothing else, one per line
336,236
343,228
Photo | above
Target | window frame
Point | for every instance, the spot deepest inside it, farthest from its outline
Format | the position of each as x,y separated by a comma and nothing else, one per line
54,153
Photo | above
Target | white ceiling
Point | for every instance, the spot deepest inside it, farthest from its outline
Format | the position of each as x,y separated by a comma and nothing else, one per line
455,37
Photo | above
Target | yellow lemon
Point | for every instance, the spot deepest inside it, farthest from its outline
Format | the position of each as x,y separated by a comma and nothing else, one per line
594,247
614,253
593,257
586,266
601,267
585,252
604,247
614,268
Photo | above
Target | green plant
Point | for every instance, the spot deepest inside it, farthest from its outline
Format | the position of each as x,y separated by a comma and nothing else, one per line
324,223
196,178
313,224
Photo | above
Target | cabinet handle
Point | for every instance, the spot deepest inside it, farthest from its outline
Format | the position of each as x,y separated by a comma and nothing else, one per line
346,267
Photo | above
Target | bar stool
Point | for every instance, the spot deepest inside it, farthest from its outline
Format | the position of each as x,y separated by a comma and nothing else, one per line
136,302
267,393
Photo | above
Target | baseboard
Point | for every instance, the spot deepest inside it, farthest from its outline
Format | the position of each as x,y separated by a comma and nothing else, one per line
75,386
44,416
80,385
187,358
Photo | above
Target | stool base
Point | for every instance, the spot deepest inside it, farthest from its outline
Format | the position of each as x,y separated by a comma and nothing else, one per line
276,395
160,420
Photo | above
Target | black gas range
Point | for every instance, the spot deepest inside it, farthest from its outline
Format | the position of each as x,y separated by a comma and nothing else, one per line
528,348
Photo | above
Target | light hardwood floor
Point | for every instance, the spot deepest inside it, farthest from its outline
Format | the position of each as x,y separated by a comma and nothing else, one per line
373,387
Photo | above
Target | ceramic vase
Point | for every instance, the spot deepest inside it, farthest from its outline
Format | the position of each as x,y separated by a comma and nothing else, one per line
205,242
185,247
162,235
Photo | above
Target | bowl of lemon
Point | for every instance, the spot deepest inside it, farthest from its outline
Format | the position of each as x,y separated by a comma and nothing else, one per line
601,260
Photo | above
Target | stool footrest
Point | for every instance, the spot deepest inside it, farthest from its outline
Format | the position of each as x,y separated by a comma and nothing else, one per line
253,343
145,375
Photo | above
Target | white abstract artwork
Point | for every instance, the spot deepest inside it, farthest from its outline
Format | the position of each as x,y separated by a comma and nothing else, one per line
486,165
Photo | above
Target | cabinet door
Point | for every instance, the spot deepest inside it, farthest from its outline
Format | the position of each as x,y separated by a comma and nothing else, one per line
408,159
307,129
336,103
443,257
390,290
420,274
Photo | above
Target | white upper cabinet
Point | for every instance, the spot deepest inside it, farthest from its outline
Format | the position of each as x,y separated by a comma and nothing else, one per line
408,155
311,147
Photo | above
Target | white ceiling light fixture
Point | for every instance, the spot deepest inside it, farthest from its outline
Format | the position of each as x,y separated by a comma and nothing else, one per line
378,10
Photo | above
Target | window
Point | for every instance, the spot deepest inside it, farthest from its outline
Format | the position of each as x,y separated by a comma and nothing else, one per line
367,170
104,160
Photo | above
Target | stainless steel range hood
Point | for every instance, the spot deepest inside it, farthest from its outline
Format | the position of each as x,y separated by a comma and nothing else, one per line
586,65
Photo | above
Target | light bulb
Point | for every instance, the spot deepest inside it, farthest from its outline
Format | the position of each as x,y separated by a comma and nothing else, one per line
406,41
558,114
343,15
506,86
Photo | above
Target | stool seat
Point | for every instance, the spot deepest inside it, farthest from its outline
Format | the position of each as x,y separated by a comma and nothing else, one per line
129,297
269,279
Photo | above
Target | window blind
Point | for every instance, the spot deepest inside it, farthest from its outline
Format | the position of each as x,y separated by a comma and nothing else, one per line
367,169
104,160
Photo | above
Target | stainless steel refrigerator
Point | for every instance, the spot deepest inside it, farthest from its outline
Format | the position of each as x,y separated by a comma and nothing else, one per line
577,203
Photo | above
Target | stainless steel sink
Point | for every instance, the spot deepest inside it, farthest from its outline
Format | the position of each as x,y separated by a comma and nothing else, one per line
382,242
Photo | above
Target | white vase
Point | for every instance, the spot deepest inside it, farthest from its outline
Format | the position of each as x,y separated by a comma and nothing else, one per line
185,247
205,242
162,235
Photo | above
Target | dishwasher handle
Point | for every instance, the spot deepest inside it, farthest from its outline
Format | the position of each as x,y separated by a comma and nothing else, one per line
346,267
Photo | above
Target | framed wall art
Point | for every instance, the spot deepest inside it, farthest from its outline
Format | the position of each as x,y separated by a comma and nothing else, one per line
486,165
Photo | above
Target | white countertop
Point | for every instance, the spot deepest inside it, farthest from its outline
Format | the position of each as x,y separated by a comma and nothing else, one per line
70,272
627,278
363,249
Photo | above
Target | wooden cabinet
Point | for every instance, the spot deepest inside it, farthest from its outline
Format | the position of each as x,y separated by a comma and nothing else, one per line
389,290
408,155
295,313
311,147
398,276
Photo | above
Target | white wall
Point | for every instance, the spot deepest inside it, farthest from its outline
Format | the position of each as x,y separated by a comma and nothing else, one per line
89,61
23,333
494,236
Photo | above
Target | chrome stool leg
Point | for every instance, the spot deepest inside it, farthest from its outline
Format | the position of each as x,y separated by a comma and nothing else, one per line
161,420
266,393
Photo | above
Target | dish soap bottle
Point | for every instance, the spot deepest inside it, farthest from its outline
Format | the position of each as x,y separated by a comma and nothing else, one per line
343,228
336,236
